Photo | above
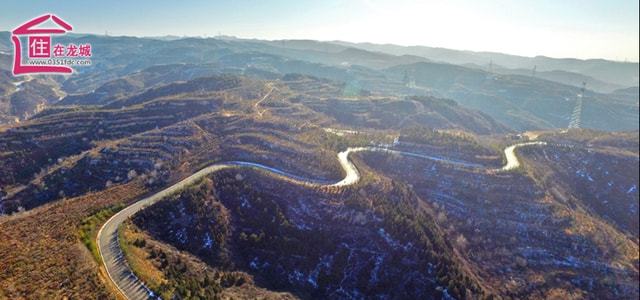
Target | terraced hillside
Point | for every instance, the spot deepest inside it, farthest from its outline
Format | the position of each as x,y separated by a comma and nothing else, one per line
529,236
601,178
39,154
517,99
411,228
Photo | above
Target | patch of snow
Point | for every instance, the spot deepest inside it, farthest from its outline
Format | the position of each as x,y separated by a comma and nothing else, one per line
245,202
208,242
387,237
373,279
325,262
254,263
584,174
570,261
296,276
303,226
181,235
446,295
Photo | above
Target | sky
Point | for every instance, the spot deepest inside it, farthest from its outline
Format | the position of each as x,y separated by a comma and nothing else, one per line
556,28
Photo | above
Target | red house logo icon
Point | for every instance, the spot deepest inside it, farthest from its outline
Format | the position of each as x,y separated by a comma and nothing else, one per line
39,45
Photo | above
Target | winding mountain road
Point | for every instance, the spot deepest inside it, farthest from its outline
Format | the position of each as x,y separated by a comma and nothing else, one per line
133,288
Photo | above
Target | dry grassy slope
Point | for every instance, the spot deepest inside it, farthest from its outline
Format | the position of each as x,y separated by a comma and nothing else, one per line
195,270
598,172
42,257
523,236
54,225
380,111
52,137
597,190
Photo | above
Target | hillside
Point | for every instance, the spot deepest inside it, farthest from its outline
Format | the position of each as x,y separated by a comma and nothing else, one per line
226,168
522,102
61,143
559,76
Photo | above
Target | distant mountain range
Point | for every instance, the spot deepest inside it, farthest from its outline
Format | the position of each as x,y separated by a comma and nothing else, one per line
619,73
599,74
502,86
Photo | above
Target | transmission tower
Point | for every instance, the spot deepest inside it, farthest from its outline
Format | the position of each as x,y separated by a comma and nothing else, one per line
533,72
408,80
576,116
405,79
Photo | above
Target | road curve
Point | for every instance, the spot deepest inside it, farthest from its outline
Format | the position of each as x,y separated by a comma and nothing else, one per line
133,288
512,159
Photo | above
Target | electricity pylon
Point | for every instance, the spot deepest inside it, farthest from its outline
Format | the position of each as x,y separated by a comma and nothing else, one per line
576,116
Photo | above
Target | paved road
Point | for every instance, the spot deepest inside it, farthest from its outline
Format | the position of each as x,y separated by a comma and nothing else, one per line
132,288
512,159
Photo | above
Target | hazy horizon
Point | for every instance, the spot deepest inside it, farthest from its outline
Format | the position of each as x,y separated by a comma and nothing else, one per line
338,41
572,29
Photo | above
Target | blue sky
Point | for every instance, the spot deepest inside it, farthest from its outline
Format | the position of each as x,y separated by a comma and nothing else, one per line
566,28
